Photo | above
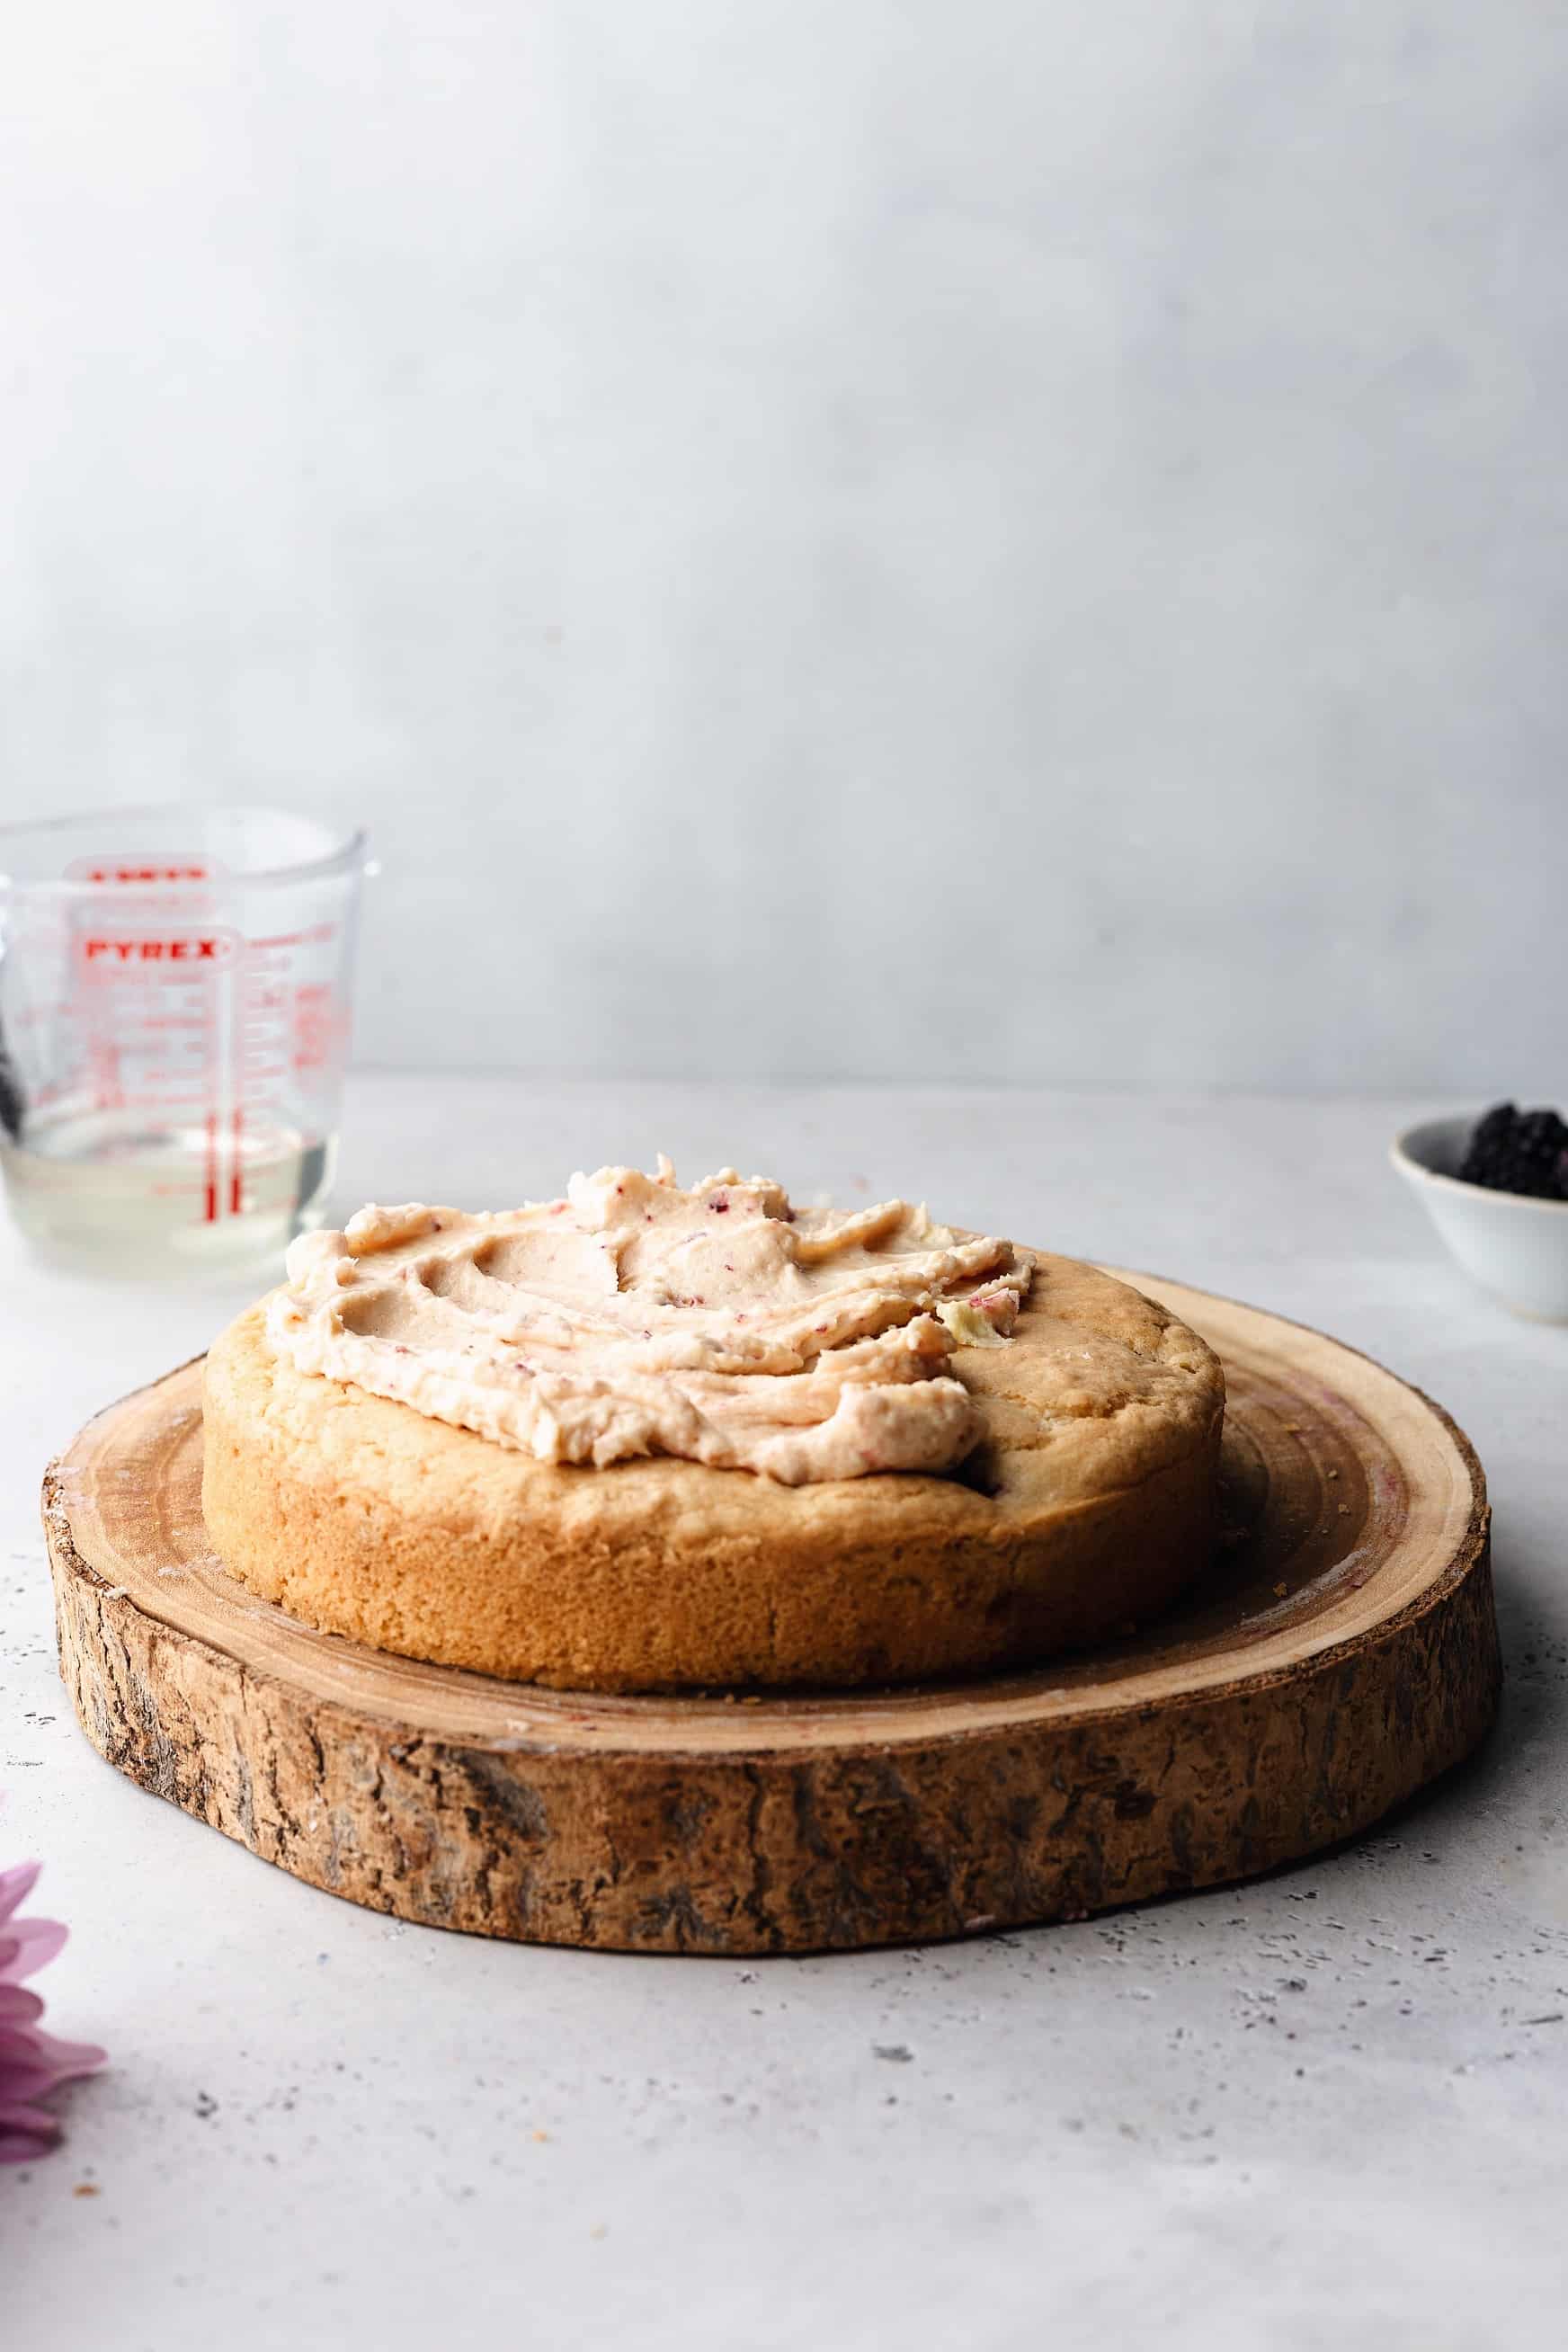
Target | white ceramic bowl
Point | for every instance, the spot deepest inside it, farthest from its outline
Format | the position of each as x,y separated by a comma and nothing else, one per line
1513,1247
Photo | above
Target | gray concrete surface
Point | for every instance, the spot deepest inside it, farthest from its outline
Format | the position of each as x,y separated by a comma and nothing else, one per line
1331,2109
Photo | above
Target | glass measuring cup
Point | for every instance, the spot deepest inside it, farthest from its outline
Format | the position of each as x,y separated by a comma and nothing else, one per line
174,997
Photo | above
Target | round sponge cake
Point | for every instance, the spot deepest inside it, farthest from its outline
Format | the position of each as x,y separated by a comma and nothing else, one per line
1089,1505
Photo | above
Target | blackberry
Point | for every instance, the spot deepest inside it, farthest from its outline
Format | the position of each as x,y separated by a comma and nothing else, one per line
1514,1150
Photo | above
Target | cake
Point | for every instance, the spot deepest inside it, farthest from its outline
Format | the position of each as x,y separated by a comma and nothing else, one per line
653,1438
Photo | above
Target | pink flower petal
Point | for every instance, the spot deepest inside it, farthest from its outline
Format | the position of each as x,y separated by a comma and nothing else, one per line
26,2131
16,1885
28,2046
19,2085
33,2063
28,2118
27,1945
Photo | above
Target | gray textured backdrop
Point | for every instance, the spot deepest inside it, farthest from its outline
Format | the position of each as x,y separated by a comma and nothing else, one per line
826,536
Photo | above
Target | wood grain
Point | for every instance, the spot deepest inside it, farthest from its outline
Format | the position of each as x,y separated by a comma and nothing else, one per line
1343,1654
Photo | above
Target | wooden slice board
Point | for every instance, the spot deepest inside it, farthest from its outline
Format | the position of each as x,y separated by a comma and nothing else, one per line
1343,1651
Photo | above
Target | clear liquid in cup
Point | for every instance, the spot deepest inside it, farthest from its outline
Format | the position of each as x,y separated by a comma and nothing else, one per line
175,988
115,1194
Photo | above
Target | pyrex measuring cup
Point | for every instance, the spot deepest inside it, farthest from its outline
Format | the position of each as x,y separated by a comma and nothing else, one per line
173,1016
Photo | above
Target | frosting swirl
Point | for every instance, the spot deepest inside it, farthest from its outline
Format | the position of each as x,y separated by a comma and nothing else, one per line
635,1318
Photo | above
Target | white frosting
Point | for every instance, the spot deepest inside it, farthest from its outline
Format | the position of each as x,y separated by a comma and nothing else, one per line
635,1317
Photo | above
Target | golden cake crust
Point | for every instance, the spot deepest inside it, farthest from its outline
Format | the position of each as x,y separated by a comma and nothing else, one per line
1089,1504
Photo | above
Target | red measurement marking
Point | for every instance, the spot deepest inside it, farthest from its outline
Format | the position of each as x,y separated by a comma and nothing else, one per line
103,1064
145,874
143,1098
212,1168
316,936
234,1194
138,872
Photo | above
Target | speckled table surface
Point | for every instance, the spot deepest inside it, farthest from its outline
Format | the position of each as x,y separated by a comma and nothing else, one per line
1331,2106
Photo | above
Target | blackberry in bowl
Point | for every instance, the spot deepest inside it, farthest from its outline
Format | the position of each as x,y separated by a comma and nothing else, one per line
1521,1151
1496,1189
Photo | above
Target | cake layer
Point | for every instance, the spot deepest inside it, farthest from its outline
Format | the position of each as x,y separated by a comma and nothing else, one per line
1087,1505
